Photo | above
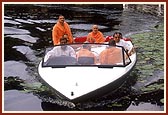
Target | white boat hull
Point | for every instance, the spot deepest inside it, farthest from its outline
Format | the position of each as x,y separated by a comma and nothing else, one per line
81,83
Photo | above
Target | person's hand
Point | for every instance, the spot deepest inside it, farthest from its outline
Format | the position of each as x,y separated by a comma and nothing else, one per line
92,40
68,39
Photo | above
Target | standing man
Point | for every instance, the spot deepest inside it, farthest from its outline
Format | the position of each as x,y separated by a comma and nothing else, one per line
95,36
61,28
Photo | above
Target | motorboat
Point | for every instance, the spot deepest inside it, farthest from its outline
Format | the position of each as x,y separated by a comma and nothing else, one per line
78,79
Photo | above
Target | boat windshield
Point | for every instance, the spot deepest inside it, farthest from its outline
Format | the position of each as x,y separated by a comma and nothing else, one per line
85,54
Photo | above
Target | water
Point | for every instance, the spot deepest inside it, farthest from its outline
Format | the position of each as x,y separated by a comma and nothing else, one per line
27,31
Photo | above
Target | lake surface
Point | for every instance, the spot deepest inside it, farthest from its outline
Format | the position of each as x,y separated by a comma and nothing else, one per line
27,32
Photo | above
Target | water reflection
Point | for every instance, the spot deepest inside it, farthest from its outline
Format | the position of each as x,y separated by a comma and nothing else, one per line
15,68
13,30
18,101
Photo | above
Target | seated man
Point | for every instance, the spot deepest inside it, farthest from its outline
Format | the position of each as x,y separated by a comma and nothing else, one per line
111,55
85,56
126,44
63,50
95,36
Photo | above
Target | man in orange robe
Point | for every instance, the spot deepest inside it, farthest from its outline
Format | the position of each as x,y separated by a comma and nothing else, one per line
60,29
111,55
85,52
95,36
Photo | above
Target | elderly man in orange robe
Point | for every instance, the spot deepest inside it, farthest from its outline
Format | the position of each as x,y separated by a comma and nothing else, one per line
60,29
95,36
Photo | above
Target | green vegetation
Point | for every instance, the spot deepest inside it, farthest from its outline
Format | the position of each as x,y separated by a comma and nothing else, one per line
150,52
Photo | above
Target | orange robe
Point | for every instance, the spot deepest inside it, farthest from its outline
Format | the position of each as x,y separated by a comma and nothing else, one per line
111,55
85,53
58,32
98,37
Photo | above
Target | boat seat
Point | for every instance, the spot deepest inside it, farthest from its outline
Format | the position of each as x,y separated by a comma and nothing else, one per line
61,60
86,60
80,39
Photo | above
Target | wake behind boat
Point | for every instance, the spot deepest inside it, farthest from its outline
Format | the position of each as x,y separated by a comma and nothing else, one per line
80,78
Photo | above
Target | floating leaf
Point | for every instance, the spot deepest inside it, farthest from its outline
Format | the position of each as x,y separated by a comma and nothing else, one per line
162,100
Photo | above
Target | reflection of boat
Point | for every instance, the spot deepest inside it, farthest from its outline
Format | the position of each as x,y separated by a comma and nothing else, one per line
77,82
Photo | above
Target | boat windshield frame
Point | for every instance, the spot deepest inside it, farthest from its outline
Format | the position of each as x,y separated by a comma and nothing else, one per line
95,48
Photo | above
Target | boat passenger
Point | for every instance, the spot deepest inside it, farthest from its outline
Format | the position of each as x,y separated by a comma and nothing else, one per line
111,55
85,56
61,28
63,50
65,36
120,42
95,36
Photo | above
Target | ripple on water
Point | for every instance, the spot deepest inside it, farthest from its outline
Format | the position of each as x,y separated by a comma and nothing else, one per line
13,30
24,37
145,107
6,21
85,26
18,101
27,51
14,68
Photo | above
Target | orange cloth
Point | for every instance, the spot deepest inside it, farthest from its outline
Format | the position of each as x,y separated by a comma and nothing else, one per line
85,53
58,32
111,55
98,37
